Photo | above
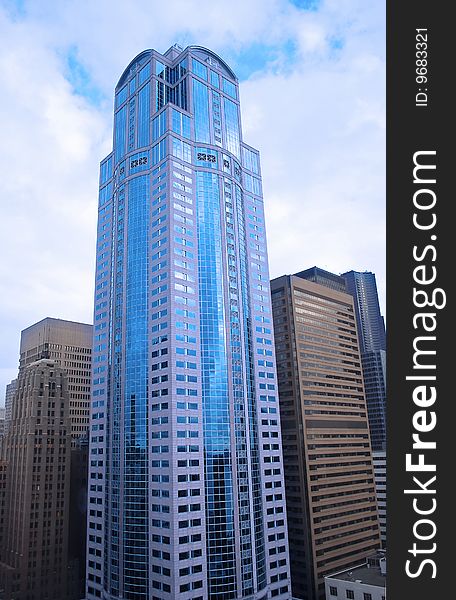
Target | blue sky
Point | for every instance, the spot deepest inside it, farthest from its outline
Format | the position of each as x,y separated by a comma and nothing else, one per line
312,91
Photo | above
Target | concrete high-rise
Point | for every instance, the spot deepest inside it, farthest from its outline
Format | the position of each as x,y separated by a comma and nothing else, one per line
372,343
9,394
329,480
34,489
69,344
186,496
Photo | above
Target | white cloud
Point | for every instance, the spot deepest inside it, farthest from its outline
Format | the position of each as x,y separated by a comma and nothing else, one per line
317,116
321,131
51,142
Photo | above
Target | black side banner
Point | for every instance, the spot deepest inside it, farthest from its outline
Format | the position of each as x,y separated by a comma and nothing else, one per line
421,496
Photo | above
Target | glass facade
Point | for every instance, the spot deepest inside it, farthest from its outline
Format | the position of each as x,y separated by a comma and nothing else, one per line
144,116
372,342
187,498
201,111
215,394
135,394
371,326
374,375
120,132
232,127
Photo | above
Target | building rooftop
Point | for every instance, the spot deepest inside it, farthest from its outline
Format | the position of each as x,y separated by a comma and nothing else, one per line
323,277
373,572
56,321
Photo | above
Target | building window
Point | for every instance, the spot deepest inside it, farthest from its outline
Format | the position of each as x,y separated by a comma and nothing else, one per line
350,594
367,596
333,591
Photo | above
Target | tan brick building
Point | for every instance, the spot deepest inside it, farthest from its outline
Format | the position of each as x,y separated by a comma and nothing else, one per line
34,489
69,344
330,491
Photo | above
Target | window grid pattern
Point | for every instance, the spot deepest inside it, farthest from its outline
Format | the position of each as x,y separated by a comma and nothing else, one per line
220,528
120,133
232,136
253,441
201,111
326,433
144,116
113,425
240,384
135,532
207,423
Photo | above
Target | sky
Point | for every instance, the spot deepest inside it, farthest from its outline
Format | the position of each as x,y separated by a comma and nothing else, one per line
312,91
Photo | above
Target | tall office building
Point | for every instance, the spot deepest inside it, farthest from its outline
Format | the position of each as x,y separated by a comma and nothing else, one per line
374,373
329,480
34,489
69,344
371,325
372,343
186,497
9,394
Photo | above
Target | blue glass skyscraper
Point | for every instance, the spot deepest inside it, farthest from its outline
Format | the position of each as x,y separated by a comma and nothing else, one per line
372,342
186,495
371,326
